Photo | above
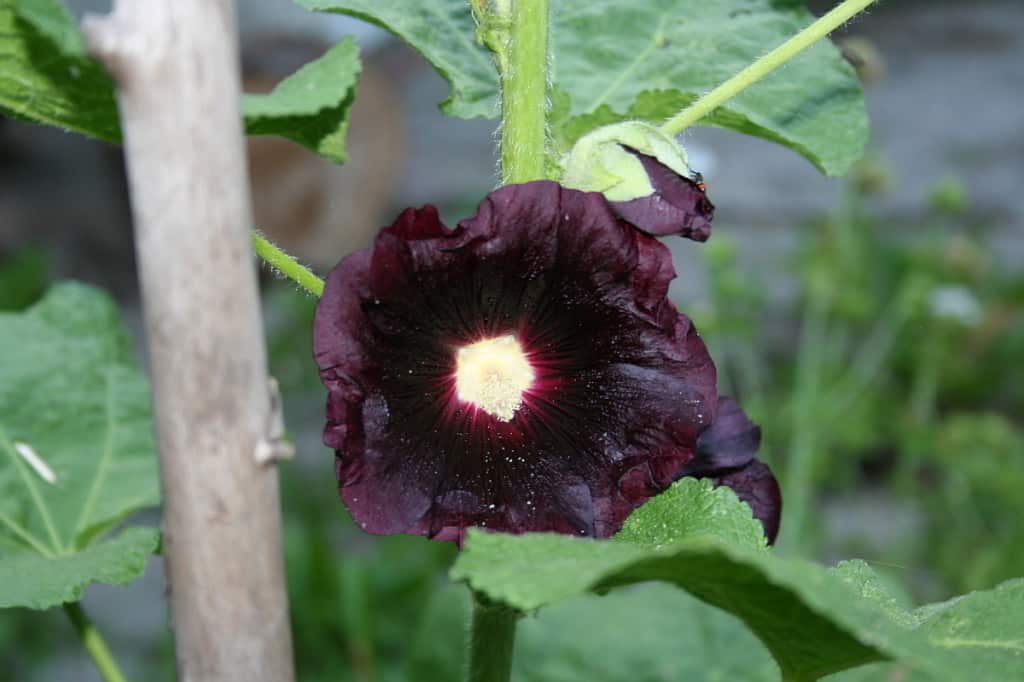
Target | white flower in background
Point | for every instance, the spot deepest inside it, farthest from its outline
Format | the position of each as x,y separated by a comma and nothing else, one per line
956,303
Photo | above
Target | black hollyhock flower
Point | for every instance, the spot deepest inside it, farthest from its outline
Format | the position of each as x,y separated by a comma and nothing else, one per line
522,372
725,454
677,206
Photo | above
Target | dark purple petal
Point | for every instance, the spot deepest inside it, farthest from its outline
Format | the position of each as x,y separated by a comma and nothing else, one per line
623,385
755,485
678,205
725,454
730,442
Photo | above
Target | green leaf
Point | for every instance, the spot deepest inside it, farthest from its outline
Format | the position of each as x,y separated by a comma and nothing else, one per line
614,60
704,540
443,32
671,636
72,399
311,106
23,278
881,672
978,636
701,539
783,602
51,19
859,576
981,631
693,508
813,621
46,77
32,581
619,59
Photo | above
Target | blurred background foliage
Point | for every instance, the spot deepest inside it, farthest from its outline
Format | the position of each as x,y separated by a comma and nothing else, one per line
887,388
873,326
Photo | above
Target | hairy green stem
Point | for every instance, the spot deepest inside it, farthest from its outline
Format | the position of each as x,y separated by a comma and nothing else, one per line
94,644
523,89
287,265
491,640
842,13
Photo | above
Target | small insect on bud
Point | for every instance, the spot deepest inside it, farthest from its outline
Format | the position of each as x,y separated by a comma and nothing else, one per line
698,179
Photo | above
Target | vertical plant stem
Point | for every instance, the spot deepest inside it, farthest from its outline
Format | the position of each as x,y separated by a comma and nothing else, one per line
842,13
94,643
491,640
524,91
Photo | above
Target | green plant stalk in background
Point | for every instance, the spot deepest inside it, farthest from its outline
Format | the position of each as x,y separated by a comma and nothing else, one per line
807,391
842,13
93,643
820,401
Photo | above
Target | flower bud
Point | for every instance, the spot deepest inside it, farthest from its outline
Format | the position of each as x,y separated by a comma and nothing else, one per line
645,176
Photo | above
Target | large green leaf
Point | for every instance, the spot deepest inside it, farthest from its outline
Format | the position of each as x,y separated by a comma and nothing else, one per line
71,398
671,636
443,32
645,633
311,106
981,631
814,621
46,77
619,59
30,580
978,636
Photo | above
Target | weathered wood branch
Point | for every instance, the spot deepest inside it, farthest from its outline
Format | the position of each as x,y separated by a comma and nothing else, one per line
177,72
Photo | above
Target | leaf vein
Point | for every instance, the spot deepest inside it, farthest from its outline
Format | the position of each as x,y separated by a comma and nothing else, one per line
22,533
104,464
631,67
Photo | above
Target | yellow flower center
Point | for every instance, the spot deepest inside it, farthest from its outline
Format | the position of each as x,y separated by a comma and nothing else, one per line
492,374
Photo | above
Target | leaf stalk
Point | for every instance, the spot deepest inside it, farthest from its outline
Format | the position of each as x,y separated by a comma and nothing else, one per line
705,105
287,265
94,643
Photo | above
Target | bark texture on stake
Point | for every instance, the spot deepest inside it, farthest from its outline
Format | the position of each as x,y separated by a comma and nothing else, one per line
176,68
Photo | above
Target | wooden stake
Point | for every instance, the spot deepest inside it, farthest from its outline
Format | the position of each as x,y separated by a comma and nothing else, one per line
177,72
